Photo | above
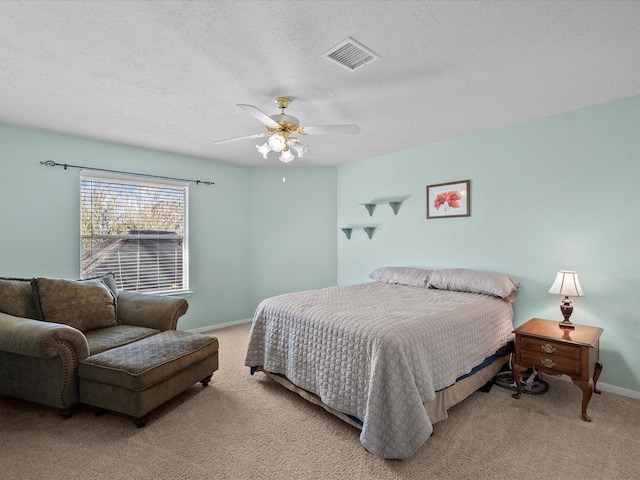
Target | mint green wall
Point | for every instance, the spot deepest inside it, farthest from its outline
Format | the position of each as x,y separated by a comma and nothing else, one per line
557,193
251,236
293,242
39,215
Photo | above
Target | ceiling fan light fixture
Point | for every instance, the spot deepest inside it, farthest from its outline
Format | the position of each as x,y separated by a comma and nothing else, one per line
264,149
287,156
280,129
277,142
300,149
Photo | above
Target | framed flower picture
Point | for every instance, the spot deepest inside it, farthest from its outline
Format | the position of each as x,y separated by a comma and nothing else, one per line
446,200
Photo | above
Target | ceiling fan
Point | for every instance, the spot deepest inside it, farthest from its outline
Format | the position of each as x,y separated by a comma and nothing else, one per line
281,128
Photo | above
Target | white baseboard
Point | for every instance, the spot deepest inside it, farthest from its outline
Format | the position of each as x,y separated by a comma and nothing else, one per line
605,387
220,325
625,392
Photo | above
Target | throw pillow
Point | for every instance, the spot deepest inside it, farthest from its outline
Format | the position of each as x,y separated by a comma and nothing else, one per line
109,280
18,298
85,305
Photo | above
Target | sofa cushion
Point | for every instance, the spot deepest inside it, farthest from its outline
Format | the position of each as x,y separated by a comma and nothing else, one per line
103,339
18,297
85,305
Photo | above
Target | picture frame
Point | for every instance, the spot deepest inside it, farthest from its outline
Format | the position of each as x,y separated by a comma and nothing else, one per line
448,200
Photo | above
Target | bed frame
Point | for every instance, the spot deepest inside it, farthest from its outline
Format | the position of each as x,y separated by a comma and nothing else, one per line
437,409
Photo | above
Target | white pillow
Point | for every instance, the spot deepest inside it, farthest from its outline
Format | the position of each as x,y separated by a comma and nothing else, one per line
474,281
414,277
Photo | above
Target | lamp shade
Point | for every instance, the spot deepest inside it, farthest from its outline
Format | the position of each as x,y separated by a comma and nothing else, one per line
286,156
300,148
567,284
277,142
264,149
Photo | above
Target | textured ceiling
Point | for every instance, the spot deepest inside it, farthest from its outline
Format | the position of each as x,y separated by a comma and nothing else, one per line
168,75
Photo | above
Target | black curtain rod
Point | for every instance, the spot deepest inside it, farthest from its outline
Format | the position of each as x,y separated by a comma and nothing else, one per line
51,163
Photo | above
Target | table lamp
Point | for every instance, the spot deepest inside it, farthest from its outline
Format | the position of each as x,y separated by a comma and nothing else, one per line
566,284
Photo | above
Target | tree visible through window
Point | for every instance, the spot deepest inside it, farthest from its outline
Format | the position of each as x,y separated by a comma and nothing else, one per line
136,229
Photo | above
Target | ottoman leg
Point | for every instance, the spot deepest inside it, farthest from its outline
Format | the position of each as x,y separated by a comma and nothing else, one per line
97,411
141,421
205,381
66,413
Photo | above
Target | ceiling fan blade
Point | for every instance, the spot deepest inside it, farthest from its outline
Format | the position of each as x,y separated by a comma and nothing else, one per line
332,130
229,140
259,114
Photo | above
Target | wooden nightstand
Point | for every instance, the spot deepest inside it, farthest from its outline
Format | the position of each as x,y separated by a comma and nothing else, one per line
544,345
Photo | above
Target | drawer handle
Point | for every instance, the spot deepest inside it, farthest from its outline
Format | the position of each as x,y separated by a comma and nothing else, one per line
548,363
548,348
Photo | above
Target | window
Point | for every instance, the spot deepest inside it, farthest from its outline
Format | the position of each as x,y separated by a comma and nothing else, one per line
137,229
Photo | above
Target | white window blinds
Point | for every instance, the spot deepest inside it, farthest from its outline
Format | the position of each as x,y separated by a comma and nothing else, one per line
136,229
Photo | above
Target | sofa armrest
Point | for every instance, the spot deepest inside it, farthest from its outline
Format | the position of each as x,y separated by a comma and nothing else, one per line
37,338
151,311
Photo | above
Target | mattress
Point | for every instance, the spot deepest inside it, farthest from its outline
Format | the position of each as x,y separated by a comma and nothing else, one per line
378,352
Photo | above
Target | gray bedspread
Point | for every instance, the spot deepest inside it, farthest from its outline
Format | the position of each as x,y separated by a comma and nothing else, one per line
378,351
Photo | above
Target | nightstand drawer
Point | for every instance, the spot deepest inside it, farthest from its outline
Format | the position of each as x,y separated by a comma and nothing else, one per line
553,364
548,347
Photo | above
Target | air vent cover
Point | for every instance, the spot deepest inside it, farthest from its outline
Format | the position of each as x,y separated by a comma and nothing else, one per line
351,54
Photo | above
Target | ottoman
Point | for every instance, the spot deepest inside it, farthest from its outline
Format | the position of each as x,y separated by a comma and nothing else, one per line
137,377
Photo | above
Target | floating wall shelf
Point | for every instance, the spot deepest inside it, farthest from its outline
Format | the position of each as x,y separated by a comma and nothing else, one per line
394,203
369,229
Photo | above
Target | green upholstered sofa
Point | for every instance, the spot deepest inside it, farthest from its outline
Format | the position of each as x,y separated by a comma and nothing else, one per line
48,326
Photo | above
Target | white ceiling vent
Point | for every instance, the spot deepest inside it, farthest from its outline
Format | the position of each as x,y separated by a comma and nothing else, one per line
351,54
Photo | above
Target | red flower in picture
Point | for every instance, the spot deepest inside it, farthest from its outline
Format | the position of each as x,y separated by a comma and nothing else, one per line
447,200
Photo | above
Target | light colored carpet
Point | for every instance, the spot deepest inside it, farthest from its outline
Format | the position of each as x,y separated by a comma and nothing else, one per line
243,427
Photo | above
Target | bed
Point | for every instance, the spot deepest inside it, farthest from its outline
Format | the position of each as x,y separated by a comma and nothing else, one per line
389,356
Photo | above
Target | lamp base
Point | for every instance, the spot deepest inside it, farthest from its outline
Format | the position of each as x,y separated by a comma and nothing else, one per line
566,325
567,309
